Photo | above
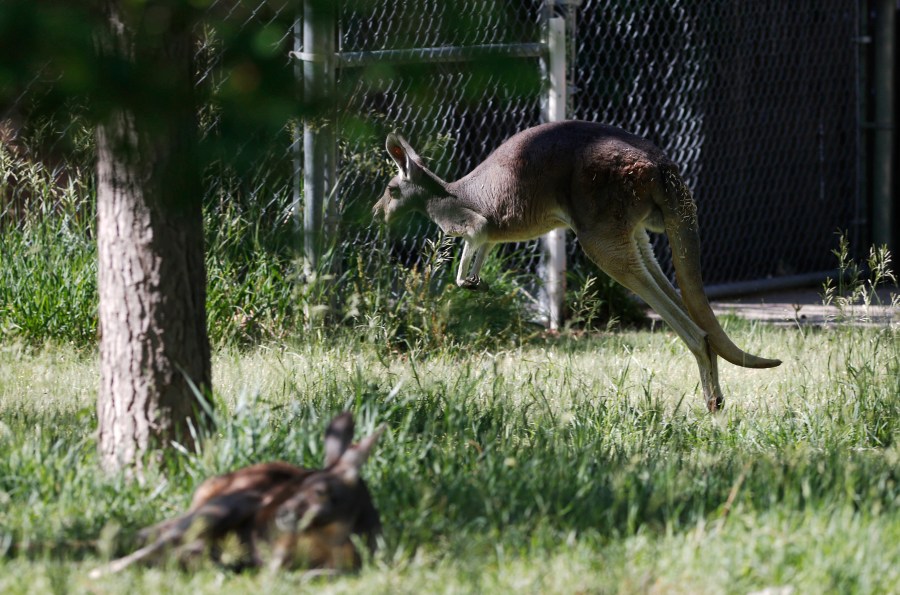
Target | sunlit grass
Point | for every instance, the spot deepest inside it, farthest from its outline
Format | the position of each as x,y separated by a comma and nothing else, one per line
584,463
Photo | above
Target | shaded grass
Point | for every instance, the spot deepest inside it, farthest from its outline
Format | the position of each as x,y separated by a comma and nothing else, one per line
256,289
582,464
48,284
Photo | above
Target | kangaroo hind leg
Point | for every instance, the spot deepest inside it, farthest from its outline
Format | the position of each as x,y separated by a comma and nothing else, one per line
621,257
709,376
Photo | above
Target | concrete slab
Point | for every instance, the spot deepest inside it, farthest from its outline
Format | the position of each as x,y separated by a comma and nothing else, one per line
804,307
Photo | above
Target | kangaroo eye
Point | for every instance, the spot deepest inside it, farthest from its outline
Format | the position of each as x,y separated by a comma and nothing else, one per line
394,189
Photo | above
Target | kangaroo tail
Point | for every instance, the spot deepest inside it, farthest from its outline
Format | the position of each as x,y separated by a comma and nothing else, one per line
167,533
680,216
211,520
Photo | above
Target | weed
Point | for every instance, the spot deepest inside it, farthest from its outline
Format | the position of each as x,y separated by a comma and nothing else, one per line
596,301
858,284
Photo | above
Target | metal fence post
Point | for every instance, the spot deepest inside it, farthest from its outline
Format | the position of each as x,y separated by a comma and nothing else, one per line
553,244
883,153
297,132
319,154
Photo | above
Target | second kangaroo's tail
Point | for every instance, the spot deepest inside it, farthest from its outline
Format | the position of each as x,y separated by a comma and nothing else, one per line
213,520
166,534
680,216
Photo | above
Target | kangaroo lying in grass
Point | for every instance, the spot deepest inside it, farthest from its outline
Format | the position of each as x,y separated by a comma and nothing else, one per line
607,185
304,516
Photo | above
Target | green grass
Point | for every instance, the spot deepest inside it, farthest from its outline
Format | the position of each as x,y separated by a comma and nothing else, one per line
513,461
580,464
255,293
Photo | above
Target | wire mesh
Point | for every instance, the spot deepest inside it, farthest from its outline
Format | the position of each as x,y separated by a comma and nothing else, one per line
47,154
454,113
754,100
757,102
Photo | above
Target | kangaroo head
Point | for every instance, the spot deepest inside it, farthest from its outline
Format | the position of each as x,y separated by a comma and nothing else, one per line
326,504
413,185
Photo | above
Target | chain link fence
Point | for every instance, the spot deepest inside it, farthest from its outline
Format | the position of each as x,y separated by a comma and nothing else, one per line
455,109
757,101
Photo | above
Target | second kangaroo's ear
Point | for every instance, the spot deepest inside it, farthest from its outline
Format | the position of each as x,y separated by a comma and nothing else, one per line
338,437
353,459
402,154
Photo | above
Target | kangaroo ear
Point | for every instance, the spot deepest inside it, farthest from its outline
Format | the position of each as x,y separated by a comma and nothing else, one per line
402,154
353,459
338,437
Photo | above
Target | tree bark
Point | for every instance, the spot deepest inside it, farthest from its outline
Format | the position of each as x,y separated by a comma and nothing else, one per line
154,349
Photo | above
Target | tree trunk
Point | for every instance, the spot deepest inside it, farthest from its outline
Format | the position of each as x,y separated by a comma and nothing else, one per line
154,349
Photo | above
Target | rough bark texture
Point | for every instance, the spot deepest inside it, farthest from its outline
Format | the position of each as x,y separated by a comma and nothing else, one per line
152,279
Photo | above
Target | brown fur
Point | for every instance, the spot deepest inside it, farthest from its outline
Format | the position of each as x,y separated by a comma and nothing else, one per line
607,185
278,505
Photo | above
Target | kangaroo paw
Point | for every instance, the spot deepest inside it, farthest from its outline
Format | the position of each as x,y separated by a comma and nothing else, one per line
473,284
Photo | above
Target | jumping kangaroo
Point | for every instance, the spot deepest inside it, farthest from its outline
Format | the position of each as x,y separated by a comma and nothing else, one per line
607,185
303,515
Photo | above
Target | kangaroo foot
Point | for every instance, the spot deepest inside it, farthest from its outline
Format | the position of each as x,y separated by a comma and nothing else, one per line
715,405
